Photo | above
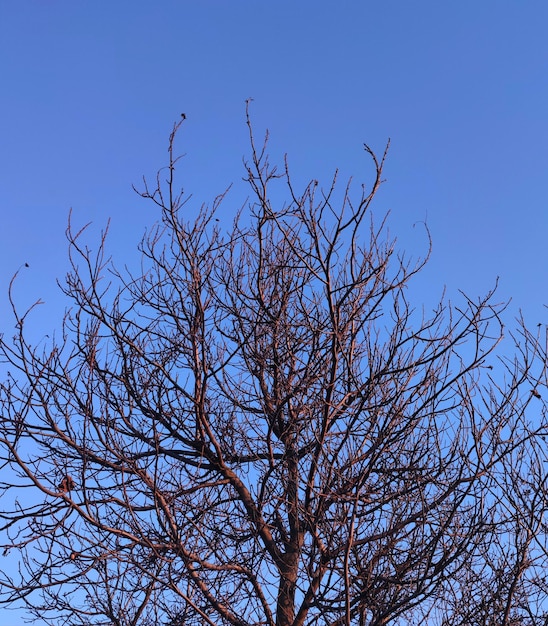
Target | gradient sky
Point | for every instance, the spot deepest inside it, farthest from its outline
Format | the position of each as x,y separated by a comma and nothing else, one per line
90,91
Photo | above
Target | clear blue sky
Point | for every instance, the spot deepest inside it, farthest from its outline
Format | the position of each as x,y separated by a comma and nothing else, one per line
90,91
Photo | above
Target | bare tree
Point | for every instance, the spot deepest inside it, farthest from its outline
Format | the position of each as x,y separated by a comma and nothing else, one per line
259,428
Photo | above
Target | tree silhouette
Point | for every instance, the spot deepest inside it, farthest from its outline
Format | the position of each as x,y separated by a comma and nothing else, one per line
260,428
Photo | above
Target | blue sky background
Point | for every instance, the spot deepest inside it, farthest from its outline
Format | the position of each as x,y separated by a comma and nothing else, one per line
90,91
